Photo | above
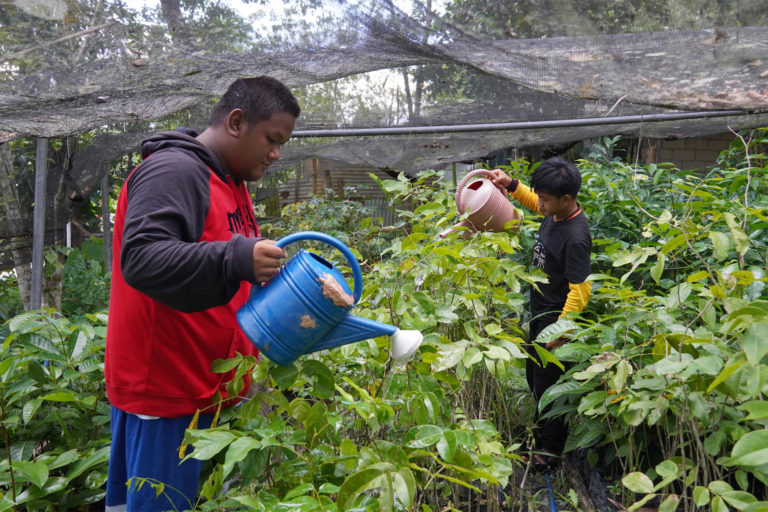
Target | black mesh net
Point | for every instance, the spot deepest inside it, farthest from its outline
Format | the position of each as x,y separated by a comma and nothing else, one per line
432,83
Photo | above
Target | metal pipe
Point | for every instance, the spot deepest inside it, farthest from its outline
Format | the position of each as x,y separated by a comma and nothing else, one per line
38,224
521,125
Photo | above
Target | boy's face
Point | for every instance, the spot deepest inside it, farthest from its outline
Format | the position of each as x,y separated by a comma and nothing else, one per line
550,205
258,145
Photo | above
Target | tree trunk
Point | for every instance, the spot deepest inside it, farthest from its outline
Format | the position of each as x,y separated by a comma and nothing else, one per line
175,20
408,99
9,200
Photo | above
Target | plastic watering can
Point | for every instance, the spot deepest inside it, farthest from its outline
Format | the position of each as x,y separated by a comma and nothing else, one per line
305,308
489,208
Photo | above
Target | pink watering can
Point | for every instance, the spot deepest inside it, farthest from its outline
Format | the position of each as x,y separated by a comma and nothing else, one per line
488,208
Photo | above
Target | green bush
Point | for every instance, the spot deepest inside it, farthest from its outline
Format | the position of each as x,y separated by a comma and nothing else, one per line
54,417
666,394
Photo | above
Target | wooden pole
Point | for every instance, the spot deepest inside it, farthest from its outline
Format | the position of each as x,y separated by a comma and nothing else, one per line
38,230
106,225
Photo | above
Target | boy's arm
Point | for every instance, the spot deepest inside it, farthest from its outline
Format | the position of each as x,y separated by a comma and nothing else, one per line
524,195
578,297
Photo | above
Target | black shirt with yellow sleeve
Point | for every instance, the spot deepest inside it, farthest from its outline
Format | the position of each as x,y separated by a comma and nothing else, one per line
562,251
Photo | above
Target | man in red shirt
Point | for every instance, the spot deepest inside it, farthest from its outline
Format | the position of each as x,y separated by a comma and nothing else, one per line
187,250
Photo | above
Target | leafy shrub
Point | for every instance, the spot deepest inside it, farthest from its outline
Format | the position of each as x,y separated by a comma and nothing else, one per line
666,393
54,418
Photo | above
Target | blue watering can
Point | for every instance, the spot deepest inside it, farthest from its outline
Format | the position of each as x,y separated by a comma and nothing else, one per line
305,308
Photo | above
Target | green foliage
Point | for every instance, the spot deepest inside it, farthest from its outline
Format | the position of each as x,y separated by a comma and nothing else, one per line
85,288
666,391
54,418
348,429
676,352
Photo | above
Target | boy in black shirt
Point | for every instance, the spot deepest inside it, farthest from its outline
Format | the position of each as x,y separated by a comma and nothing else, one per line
562,249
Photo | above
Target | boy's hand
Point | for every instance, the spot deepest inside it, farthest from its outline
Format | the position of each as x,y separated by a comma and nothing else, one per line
500,179
266,260
559,342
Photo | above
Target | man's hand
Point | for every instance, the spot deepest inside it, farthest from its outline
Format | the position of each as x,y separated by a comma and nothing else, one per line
559,342
501,180
266,260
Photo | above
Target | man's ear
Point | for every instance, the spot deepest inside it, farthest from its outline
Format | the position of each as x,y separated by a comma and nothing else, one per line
235,123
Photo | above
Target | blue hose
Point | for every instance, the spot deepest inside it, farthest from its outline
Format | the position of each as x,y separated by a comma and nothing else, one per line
551,494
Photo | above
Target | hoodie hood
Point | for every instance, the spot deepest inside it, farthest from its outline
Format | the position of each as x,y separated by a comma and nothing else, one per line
183,138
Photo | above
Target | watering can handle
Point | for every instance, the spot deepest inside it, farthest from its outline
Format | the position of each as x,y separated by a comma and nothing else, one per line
357,274
465,180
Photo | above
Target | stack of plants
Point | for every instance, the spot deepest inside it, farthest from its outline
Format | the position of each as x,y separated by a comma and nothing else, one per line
666,396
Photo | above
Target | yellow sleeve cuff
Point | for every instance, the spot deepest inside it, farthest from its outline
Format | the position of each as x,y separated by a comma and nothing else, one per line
578,297
526,197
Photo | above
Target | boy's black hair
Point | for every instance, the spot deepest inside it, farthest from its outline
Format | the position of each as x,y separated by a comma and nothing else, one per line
557,177
258,98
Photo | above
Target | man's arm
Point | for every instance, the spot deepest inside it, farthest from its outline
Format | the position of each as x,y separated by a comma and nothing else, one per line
162,255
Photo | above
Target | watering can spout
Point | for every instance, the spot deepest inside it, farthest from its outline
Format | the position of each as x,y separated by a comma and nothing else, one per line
351,329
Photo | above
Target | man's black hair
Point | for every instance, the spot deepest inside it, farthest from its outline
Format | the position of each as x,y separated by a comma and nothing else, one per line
557,177
258,98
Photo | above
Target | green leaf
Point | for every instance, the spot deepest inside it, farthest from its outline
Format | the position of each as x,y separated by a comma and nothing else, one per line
547,357
678,294
714,442
60,396
405,487
471,357
36,472
446,446
85,463
658,268
721,244
424,436
701,496
667,468
411,242
738,499
29,409
670,503
719,486
284,375
320,376
237,451
718,505
739,237
225,365
750,450
727,372
299,490
755,342
64,459
756,409
361,481
638,482
210,442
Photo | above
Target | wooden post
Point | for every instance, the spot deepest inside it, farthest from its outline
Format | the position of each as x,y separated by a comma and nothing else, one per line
38,230
297,184
314,177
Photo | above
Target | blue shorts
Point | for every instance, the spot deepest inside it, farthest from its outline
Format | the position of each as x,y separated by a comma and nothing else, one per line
149,448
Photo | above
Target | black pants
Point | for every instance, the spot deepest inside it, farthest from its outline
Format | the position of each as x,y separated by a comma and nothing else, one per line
549,434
